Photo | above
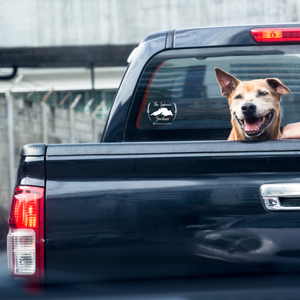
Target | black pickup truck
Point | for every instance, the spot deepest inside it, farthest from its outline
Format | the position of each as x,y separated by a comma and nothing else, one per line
164,194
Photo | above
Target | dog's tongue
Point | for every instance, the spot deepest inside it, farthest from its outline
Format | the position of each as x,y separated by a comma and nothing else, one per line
251,124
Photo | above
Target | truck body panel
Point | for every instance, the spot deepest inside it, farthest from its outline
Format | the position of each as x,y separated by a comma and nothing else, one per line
165,210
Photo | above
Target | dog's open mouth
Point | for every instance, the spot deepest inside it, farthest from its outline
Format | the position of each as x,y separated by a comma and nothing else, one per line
255,126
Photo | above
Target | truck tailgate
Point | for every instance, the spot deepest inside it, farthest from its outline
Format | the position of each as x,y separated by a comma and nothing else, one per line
123,211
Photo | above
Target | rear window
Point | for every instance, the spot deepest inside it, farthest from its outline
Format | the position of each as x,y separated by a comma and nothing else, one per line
178,97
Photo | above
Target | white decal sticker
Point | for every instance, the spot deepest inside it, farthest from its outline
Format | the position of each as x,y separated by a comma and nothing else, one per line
161,113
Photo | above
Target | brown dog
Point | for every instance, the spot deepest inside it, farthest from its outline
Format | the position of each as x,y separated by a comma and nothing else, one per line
254,106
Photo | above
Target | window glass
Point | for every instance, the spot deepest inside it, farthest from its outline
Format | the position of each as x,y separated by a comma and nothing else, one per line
178,90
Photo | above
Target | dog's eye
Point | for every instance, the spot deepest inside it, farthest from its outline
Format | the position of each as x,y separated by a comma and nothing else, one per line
238,97
260,93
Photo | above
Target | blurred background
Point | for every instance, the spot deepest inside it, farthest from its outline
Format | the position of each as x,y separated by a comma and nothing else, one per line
61,62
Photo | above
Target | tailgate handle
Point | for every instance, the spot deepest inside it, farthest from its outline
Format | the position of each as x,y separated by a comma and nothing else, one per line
281,196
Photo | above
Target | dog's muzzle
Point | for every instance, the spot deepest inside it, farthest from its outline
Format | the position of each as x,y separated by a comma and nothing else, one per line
254,126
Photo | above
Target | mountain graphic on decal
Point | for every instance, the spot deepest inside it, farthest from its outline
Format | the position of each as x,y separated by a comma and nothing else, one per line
162,111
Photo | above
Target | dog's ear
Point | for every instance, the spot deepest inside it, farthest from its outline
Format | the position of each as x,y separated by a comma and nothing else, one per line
227,82
278,86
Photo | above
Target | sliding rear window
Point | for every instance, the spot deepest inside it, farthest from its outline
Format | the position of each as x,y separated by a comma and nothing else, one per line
178,97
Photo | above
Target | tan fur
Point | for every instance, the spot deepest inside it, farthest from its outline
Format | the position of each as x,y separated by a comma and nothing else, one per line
265,94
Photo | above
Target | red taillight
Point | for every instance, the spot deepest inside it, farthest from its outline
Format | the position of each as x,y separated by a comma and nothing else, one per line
272,35
25,241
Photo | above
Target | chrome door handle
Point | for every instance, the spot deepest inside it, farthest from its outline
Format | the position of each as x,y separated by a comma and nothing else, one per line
281,196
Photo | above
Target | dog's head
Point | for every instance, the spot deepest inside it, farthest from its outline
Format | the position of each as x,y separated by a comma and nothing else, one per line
254,105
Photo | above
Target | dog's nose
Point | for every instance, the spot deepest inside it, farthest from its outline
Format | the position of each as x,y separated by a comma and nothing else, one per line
248,108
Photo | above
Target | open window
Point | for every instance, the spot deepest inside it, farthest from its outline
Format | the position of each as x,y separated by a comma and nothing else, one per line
178,97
